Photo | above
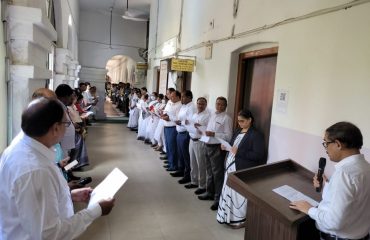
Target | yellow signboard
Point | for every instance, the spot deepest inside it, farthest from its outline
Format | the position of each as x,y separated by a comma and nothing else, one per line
183,65
142,66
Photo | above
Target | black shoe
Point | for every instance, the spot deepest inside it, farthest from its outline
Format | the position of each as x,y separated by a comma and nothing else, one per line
190,185
154,145
214,206
184,180
177,174
140,138
147,141
205,197
162,153
163,158
165,162
200,191
171,169
85,181
166,166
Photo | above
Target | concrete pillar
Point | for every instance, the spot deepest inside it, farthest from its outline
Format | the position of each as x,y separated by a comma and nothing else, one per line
96,77
31,37
66,69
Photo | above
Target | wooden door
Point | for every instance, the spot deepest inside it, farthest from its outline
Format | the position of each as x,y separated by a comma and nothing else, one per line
255,87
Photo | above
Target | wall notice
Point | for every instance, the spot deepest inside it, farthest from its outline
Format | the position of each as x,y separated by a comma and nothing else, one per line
182,65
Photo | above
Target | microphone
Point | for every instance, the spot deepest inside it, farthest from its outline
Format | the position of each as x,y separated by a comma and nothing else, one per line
320,172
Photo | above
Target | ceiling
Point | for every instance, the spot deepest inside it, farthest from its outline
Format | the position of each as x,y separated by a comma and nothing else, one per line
119,6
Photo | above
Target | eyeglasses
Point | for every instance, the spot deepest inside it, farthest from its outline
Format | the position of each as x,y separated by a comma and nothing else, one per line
326,143
66,123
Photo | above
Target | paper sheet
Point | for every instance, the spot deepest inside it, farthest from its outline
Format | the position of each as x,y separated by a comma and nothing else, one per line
108,187
71,165
226,144
204,139
293,195
86,114
87,108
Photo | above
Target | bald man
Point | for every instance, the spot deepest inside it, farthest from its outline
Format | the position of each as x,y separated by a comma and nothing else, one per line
35,200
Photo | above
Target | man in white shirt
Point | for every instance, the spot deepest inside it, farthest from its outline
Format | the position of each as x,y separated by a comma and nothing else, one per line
186,111
344,211
197,149
219,125
35,200
170,116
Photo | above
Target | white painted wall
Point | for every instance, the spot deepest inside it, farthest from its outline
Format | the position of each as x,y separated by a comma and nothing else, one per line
3,94
322,62
64,9
94,49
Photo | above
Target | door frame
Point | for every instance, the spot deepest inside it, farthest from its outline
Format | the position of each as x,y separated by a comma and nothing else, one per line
241,73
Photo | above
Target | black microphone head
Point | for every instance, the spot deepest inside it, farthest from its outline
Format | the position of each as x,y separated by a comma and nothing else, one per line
322,163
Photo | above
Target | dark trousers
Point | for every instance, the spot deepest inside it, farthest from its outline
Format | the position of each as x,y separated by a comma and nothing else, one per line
183,156
215,162
170,135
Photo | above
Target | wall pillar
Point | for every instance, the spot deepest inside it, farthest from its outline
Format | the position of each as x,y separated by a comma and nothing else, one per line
96,77
30,40
66,68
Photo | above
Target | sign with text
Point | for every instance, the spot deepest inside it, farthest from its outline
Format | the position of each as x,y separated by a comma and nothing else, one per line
182,65
163,73
142,66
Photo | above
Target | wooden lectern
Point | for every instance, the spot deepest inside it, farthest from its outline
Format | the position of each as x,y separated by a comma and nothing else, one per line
268,214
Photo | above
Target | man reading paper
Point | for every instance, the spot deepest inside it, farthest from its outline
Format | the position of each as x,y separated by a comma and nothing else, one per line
35,200
343,213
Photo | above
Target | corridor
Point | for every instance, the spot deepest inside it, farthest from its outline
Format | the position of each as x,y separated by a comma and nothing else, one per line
151,205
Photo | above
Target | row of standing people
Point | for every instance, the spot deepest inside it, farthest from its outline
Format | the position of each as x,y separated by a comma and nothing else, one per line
190,136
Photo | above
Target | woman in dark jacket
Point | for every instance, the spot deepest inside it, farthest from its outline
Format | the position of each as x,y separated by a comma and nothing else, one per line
248,150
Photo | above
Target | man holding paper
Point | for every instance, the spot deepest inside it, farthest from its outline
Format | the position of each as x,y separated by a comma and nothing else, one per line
197,148
219,125
35,200
344,211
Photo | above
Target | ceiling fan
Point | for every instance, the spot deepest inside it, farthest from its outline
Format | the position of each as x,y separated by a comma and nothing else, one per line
134,14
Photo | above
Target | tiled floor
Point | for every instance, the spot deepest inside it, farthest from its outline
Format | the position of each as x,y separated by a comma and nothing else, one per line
151,205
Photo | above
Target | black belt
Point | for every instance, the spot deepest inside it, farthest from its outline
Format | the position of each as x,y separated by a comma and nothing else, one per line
195,139
170,126
183,132
211,145
326,236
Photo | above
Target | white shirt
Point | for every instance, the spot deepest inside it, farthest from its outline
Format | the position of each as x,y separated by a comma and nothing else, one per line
345,207
201,118
185,113
35,202
172,110
221,125
88,99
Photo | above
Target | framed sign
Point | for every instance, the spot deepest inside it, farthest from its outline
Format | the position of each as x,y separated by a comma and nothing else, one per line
163,77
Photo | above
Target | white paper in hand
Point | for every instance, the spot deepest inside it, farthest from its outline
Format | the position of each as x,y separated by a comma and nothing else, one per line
71,165
226,144
108,187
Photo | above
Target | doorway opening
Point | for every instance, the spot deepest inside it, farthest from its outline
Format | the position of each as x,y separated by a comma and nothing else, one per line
255,87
